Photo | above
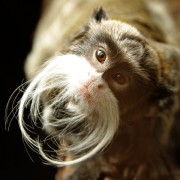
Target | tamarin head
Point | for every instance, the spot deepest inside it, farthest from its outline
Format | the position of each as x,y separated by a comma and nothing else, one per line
79,98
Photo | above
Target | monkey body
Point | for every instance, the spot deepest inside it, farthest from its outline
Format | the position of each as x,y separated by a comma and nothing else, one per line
110,81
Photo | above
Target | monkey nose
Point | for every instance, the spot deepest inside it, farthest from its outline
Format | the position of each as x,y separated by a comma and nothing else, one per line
90,89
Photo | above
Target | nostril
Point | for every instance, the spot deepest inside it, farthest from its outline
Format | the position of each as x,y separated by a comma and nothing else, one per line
100,86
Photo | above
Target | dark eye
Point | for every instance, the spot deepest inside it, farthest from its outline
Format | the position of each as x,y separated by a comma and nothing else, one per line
120,79
100,55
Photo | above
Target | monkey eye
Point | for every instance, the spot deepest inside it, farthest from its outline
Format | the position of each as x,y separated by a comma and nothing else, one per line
120,79
100,55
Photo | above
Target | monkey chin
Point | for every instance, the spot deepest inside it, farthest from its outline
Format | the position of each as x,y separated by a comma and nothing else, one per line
74,104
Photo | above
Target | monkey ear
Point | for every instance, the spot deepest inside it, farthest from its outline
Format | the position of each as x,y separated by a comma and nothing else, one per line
169,58
99,14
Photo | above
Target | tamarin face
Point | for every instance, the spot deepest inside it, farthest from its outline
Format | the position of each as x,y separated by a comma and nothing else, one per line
81,96
121,56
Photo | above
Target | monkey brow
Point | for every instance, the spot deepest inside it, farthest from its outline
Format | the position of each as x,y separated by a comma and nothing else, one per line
132,37
106,38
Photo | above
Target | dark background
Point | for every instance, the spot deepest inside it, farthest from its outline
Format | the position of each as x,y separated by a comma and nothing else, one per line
18,20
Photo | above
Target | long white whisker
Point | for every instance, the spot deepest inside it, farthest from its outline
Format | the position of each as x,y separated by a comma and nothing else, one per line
53,91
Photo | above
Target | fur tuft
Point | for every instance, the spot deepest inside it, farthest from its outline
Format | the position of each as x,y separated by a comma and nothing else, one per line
100,14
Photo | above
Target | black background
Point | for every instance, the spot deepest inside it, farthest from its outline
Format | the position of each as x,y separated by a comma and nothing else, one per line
18,20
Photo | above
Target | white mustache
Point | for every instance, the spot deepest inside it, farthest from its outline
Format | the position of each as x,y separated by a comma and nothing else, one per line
59,85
